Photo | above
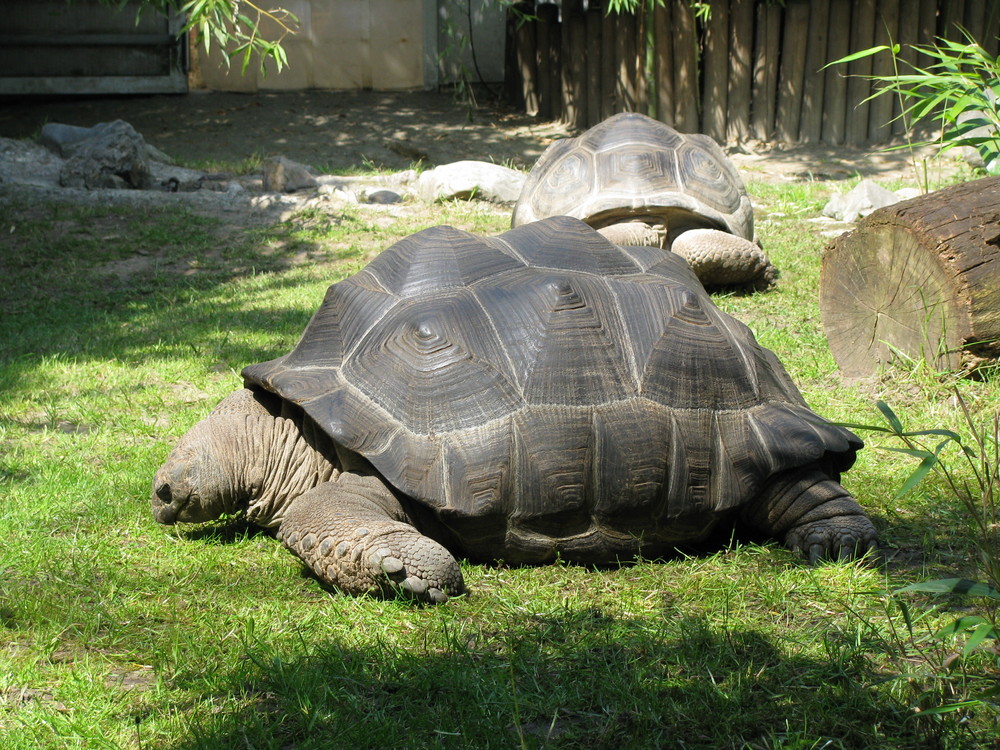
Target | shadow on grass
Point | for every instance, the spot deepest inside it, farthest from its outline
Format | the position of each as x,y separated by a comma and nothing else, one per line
576,678
108,283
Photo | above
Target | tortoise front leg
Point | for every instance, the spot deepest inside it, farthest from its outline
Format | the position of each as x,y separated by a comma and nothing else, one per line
352,532
814,515
722,259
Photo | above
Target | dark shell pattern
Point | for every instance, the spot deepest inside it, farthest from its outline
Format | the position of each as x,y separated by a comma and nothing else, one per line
631,164
547,391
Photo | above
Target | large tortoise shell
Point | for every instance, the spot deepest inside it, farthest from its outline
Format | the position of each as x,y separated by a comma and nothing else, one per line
544,388
631,165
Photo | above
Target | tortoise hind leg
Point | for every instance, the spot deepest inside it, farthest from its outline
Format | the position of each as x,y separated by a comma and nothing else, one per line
814,515
352,533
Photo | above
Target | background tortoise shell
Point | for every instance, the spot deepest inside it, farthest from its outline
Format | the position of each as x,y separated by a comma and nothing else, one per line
631,165
548,391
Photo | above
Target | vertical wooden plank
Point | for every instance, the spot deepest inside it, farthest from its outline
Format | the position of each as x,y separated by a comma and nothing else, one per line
642,41
975,18
909,31
886,32
952,13
526,39
663,63
686,89
835,86
741,36
927,28
715,65
545,35
927,14
609,65
594,91
627,33
511,64
859,87
574,63
811,130
792,72
767,49
991,27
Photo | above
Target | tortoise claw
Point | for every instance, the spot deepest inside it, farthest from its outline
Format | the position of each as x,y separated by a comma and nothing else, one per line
838,538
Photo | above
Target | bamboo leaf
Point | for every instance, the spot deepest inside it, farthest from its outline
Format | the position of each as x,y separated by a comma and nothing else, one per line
981,632
859,55
890,416
918,474
951,586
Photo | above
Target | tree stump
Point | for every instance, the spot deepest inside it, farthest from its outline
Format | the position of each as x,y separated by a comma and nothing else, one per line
918,280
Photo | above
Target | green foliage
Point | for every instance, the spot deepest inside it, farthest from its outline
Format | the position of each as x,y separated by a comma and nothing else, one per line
235,25
976,489
959,89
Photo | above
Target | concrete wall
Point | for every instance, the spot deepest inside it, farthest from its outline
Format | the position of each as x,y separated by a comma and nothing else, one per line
371,44
341,44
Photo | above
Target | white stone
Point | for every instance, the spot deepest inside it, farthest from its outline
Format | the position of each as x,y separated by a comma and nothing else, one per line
471,179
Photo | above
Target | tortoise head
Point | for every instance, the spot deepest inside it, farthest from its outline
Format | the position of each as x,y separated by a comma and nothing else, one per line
194,485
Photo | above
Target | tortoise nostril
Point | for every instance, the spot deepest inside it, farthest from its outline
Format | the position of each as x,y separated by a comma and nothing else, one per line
163,493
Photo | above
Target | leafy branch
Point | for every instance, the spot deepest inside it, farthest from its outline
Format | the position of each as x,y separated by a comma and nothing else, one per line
235,25
960,89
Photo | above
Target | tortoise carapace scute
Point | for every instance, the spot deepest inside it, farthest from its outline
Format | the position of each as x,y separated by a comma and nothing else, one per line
560,386
540,394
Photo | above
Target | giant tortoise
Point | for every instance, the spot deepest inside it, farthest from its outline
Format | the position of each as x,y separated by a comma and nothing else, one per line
640,182
542,393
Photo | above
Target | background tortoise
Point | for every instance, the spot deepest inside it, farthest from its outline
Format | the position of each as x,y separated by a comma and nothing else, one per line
536,394
640,182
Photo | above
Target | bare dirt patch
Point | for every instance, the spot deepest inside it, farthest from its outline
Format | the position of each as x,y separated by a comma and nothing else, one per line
337,131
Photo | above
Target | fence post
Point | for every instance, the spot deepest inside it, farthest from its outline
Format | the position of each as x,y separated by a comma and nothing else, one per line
811,127
715,66
741,37
858,87
767,44
594,100
792,72
663,63
686,90
574,63
835,91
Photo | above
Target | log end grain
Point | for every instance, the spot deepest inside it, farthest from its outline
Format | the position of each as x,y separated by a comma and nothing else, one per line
917,281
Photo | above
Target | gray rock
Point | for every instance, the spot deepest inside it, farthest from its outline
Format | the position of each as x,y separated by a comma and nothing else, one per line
383,196
61,138
113,156
860,201
471,179
283,175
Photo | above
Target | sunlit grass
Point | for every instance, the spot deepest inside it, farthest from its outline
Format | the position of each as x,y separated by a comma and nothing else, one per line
120,633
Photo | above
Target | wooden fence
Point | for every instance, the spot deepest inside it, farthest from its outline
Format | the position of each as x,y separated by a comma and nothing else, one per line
754,71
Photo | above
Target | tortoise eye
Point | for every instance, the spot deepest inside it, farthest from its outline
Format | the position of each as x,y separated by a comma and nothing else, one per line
163,492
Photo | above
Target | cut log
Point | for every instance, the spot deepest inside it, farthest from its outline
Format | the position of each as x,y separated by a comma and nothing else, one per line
919,280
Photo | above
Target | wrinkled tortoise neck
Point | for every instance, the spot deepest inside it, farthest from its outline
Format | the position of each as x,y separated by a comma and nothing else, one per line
276,460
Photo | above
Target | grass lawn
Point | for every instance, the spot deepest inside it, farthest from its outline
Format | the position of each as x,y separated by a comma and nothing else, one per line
120,328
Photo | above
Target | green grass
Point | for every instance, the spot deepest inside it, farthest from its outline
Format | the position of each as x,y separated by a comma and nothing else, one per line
119,330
